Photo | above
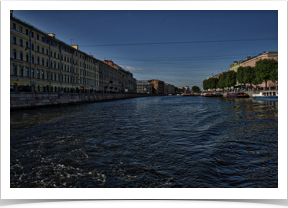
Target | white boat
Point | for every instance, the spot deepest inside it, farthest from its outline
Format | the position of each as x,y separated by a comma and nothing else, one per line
266,95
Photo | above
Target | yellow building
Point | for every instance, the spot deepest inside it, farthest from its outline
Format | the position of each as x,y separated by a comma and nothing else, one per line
40,60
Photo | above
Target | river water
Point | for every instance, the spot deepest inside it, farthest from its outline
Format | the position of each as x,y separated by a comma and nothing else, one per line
167,141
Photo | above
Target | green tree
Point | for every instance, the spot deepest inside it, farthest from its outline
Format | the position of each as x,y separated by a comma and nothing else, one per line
240,75
249,74
205,84
195,89
231,79
264,68
222,80
213,82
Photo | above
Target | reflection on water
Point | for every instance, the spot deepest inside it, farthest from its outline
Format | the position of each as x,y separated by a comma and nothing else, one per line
171,141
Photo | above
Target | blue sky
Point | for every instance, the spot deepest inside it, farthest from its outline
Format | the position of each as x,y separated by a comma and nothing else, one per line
179,47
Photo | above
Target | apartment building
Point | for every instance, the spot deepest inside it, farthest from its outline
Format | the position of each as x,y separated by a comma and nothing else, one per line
158,85
169,89
144,86
40,60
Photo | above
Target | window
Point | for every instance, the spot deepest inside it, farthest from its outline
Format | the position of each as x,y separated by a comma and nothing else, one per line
47,62
38,60
42,75
54,64
27,57
38,49
32,34
32,73
37,36
58,66
46,51
67,78
58,56
14,26
21,56
42,61
27,72
14,70
14,54
61,77
68,68
47,75
58,77
21,42
27,44
50,53
32,59
67,59
51,63
20,29
38,74
21,71
54,54
42,50
32,46
14,40
64,58
26,31
55,76
51,76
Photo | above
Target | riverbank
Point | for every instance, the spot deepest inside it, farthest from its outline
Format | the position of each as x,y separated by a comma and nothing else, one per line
22,100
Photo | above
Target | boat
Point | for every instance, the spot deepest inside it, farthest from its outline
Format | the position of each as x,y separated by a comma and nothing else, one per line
242,95
207,95
266,95
231,95
218,95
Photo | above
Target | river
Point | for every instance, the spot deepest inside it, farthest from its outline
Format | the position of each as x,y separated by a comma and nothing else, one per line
165,141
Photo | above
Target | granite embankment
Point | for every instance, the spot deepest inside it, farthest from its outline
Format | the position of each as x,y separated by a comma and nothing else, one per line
31,100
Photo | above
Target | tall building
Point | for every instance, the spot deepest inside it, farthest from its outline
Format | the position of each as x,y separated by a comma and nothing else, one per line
158,85
144,86
40,60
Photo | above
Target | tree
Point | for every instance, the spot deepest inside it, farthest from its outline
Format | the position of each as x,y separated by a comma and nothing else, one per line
249,74
213,82
264,68
240,75
231,78
205,84
195,89
222,80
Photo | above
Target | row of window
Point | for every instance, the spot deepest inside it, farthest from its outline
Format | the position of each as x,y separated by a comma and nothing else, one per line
45,75
60,56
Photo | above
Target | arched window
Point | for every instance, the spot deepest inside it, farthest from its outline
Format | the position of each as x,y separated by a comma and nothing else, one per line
14,40
32,46
14,54
38,60
21,42
42,50
38,49
27,72
54,64
38,74
32,59
54,54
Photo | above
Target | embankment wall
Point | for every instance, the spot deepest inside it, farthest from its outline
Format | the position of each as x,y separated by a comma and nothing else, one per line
31,100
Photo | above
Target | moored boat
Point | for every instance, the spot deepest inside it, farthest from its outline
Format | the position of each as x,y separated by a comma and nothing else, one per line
242,95
231,95
218,95
266,95
207,95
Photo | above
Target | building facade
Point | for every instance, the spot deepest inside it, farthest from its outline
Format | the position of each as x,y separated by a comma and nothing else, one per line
40,60
252,62
158,85
144,86
169,89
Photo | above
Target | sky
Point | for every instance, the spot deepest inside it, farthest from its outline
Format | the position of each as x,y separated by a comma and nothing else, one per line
180,47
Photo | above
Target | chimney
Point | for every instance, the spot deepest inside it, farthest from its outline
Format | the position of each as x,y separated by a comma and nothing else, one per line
248,57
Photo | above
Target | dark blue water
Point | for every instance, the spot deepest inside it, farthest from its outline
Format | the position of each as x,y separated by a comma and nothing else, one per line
170,141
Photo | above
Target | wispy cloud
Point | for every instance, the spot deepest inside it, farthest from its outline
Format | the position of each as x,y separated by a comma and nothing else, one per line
134,69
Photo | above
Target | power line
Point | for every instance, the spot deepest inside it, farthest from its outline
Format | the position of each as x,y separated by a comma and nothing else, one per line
165,43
